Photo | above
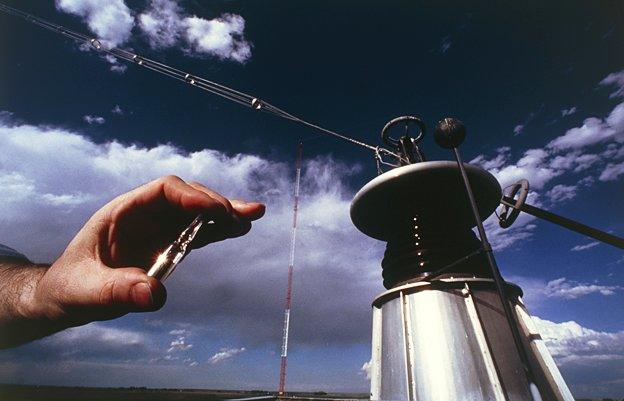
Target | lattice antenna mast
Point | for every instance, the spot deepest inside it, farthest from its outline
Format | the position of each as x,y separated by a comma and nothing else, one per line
291,267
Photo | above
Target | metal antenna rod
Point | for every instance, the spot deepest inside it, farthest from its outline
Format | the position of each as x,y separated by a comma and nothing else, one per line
449,134
284,355
566,223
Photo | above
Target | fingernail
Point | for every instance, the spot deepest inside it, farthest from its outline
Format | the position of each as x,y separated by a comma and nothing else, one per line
142,295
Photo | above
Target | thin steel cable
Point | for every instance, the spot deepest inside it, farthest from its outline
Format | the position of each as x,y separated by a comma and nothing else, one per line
193,80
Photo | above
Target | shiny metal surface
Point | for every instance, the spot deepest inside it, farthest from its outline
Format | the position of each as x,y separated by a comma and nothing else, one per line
449,340
393,381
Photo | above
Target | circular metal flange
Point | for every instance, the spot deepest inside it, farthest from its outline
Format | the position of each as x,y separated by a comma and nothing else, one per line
431,190
513,290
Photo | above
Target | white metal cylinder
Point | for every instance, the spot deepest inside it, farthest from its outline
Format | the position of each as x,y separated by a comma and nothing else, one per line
449,340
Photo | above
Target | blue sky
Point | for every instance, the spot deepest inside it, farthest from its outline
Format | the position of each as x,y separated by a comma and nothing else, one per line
539,86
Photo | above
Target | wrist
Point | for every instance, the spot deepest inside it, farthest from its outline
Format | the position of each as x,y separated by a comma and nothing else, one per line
21,314
28,305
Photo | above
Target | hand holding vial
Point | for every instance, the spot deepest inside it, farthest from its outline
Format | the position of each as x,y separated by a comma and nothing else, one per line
101,274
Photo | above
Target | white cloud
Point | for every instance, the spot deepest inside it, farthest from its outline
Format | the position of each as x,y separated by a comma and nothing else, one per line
568,112
563,288
532,166
223,278
560,157
502,156
612,171
221,37
502,238
161,23
596,130
613,152
593,131
165,25
225,354
89,119
518,129
117,110
110,20
615,79
93,342
102,334
584,247
177,332
572,344
179,344
560,193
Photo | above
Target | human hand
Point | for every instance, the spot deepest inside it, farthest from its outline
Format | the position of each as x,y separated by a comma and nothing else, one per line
101,275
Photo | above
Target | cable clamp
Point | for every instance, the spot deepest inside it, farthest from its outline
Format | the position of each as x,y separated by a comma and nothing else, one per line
96,44
190,79
256,103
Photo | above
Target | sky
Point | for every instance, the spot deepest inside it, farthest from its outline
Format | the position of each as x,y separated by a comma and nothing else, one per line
539,86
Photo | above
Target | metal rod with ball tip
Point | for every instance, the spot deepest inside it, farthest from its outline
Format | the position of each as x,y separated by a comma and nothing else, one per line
449,134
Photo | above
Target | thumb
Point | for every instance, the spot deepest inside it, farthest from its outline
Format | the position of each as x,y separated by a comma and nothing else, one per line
129,289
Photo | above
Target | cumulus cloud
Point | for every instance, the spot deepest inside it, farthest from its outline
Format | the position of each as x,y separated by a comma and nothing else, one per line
597,130
616,80
502,155
111,21
560,193
563,288
93,342
576,151
612,172
165,25
220,285
222,37
584,247
89,119
179,344
594,130
224,354
571,343
532,166
161,23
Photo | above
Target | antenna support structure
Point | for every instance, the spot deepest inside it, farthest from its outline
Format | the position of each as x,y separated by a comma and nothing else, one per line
443,330
281,391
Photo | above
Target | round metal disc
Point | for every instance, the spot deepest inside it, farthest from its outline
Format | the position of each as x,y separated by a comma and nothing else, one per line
432,190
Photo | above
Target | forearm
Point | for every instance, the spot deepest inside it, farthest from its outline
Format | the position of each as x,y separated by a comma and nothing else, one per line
18,321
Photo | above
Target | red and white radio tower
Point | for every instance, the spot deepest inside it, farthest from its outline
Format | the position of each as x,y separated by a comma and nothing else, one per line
284,355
